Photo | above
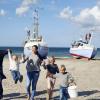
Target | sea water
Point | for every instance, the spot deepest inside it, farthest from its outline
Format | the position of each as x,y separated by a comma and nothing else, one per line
52,51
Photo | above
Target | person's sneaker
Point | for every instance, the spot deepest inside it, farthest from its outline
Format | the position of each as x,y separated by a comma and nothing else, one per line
16,81
21,78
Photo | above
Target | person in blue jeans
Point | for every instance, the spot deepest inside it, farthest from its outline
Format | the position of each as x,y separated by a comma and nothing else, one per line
32,78
17,76
14,67
33,71
65,79
64,93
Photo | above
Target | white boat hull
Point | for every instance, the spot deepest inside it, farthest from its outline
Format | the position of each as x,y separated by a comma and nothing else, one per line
83,51
42,48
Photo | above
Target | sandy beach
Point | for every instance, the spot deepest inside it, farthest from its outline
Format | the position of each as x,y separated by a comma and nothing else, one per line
86,74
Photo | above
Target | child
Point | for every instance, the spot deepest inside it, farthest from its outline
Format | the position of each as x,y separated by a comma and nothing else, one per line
65,79
14,67
52,69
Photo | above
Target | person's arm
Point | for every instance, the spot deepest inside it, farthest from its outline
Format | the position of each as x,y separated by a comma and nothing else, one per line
55,76
45,63
10,59
57,68
20,60
24,59
71,79
9,56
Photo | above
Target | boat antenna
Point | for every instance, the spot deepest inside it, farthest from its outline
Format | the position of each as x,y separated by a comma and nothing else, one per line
91,35
36,23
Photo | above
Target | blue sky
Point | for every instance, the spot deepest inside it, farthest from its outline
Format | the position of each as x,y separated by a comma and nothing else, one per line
61,21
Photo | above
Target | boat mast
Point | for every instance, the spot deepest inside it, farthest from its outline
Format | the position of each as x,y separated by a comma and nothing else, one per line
36,23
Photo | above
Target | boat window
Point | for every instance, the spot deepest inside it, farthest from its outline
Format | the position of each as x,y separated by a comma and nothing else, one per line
76,44
81,44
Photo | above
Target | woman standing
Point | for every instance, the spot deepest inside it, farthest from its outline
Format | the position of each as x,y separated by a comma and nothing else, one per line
33,71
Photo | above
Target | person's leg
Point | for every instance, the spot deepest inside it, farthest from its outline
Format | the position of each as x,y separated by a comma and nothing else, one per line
20,77
48,88
66,95
1,90
52,86
35,76
28,84
14,75
61,93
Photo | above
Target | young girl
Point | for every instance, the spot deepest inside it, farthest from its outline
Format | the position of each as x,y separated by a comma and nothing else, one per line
52,69
14,67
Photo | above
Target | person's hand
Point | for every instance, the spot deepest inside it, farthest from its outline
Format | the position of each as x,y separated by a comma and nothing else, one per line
9,50
47,61
43,63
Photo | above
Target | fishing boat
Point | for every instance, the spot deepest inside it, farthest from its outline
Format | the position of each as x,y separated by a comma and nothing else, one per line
33,38
83,48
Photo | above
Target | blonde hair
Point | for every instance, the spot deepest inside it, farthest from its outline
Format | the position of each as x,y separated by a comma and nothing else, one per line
63,66
14,55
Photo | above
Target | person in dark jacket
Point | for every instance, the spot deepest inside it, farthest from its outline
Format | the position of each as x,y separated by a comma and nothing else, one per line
52,69
2,76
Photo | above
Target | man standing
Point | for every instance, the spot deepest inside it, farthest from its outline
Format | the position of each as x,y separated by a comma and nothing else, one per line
2,76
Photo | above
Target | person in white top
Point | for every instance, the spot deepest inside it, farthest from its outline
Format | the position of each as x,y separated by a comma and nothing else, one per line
14,67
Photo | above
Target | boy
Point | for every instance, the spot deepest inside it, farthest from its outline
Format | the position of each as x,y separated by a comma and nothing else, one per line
65,79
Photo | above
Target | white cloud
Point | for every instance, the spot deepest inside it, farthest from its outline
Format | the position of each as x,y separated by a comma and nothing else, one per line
28,2
25,5
66,13
21,10
2,12
87,18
